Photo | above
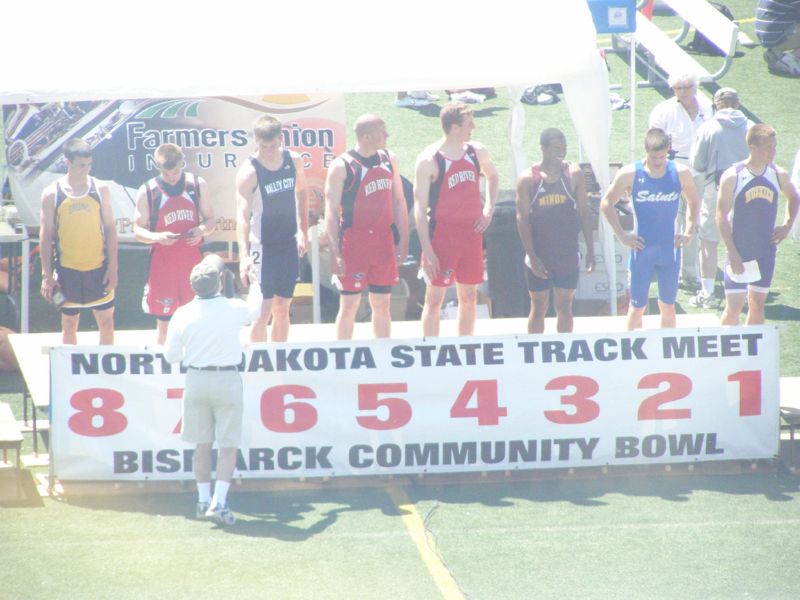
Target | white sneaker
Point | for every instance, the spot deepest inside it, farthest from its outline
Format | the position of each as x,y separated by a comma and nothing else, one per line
409,102
221,514
786,64
468,97
423,95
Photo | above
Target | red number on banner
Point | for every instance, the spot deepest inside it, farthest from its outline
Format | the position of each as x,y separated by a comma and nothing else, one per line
398,411
274,409
679,386
176,394
586,409
97,414
486,408
749,392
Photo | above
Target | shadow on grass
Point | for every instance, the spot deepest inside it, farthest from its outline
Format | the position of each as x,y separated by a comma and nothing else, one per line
300,515
22,494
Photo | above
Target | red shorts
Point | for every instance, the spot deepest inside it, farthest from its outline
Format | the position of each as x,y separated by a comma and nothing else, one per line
368,260
168,284
460,254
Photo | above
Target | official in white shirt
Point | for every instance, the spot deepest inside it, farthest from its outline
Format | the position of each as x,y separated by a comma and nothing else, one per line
204,335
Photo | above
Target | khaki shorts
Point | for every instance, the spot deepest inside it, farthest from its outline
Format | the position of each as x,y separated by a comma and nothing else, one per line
708,215
212,408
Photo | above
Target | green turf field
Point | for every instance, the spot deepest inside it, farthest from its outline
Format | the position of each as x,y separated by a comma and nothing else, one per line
653,535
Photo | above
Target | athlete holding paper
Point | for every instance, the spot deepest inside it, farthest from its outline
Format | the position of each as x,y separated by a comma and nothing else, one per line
747,207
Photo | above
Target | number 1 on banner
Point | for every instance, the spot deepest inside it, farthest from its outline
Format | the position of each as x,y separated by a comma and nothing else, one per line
486,408
749,392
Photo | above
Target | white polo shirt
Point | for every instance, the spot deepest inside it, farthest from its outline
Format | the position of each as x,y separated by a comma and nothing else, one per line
671,116
206,331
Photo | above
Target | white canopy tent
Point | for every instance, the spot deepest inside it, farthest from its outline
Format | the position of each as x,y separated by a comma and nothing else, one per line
60,51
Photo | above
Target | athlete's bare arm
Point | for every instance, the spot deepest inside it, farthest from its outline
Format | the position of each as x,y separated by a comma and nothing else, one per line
524,186
792,205
246,183
489,171
47,219
582,201
689,190
334,187
109,235
425,174
400,209
301,200
623,181
207,224
141,223
724,206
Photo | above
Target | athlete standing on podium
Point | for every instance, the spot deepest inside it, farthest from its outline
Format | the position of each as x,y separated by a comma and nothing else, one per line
655,185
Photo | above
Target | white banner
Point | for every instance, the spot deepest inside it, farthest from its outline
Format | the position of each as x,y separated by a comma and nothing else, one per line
433,406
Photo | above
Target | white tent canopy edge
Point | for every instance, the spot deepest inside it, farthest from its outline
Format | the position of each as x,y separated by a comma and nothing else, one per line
61,51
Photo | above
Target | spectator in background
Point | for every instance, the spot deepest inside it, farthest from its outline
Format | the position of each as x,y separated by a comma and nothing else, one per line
746,212
173,214
656,186
680,117
204,336
366,221
451,217
79,245
720,142
778,30
551,209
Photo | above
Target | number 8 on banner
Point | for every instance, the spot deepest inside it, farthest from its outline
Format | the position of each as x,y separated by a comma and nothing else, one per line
97,412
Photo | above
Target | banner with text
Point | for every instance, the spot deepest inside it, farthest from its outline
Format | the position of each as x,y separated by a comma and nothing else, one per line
215,134
433,406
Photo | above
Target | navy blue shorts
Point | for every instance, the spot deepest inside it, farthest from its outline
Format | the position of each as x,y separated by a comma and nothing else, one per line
564,282
280,266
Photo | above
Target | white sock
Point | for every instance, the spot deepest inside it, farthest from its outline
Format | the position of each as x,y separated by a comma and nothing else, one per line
708,286
221,493
204,491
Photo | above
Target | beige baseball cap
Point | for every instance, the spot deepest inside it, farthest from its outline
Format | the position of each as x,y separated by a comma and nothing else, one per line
205,276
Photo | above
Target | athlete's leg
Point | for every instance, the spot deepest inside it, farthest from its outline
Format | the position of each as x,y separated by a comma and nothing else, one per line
540,302
756,299
280,319
432,310
69,328
734,302
258,330
105,324
563,300
348,307
635,317
668,318
161,331
467,301
381,314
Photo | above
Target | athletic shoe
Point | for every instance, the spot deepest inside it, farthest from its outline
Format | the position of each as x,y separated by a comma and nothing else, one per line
702,300
690,285
423,95
409,102
220,514
200,510
468,97
786,63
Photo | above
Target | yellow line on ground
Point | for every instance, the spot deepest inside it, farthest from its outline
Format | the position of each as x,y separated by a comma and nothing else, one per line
416,529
